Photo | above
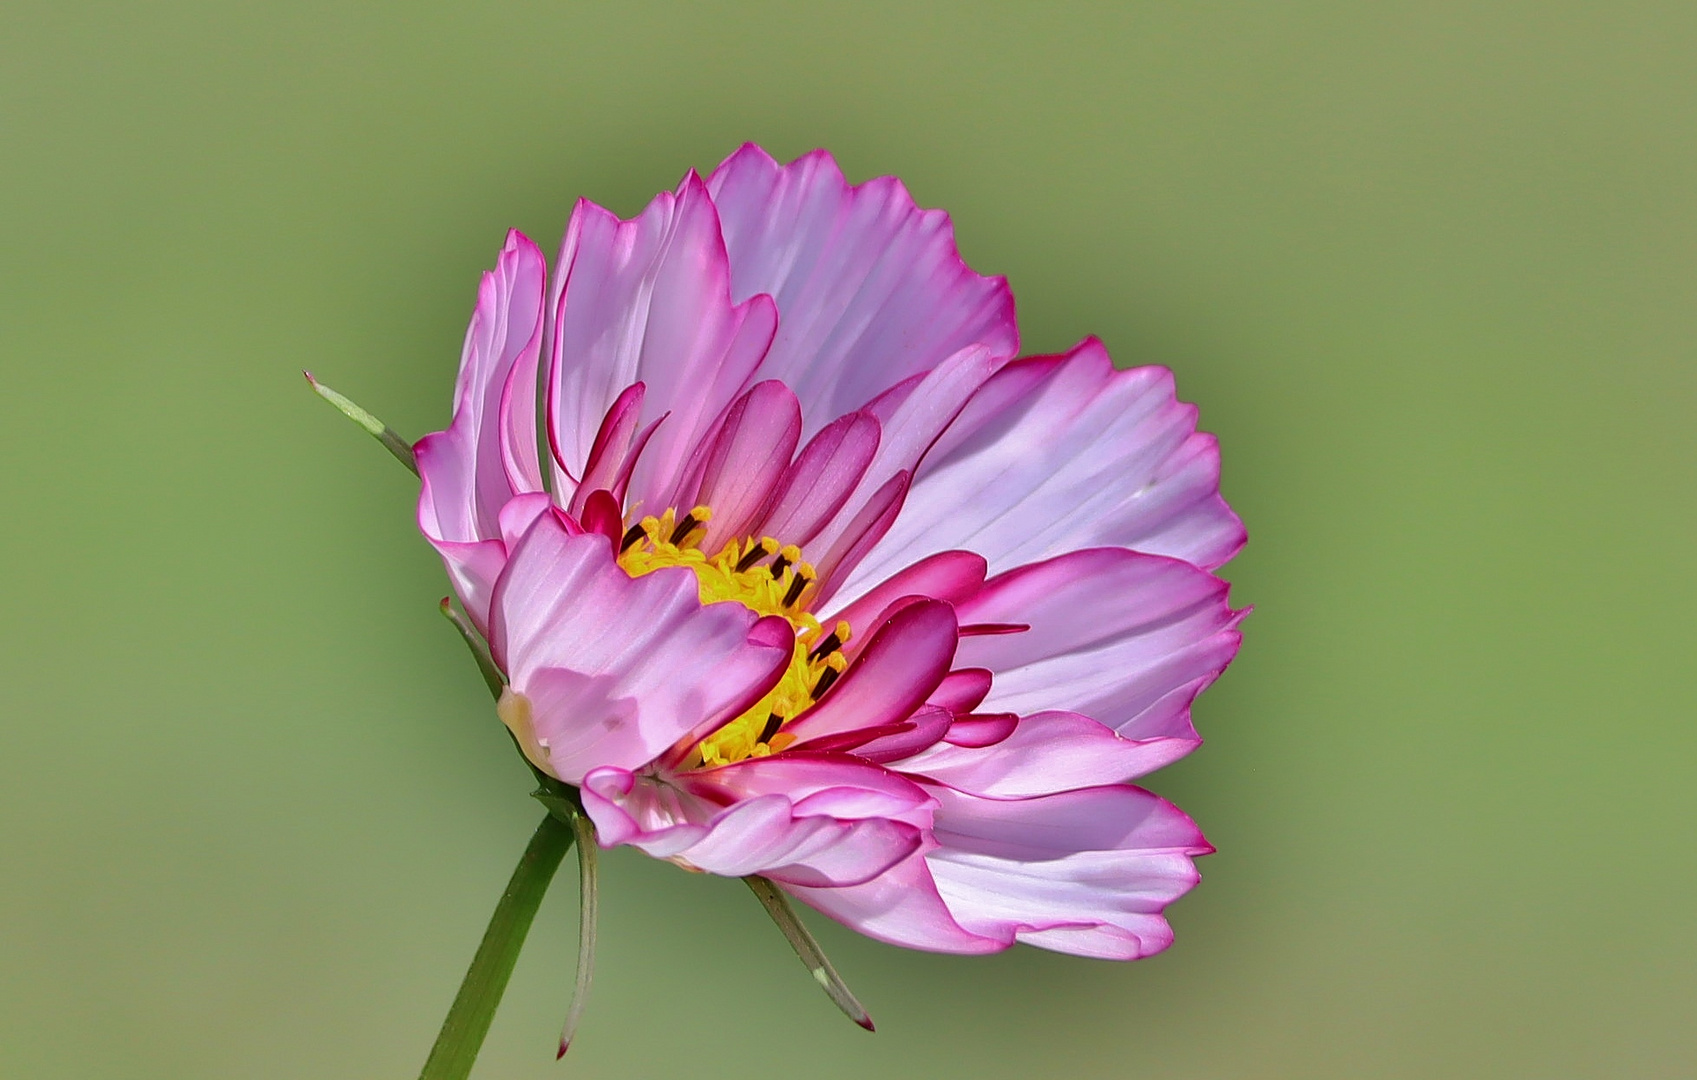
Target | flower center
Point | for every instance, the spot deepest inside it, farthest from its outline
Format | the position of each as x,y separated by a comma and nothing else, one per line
768,578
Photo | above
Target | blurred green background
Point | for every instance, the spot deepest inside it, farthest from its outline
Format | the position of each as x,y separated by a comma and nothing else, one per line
1427,267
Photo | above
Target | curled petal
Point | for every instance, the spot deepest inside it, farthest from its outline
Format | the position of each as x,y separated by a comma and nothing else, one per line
814,488
950,575
902,907
470,471
1086,871
833,784
767,834
617,669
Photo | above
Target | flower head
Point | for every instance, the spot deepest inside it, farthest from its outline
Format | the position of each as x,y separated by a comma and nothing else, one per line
816,581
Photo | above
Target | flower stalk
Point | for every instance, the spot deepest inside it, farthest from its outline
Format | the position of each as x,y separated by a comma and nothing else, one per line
468,1020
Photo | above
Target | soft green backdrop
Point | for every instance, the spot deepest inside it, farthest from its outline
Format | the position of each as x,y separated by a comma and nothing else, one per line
1428,268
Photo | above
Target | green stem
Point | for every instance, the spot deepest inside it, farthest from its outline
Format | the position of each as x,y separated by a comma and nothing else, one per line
474,1006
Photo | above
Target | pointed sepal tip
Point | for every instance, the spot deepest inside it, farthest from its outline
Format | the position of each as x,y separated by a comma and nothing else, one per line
807,949
376,428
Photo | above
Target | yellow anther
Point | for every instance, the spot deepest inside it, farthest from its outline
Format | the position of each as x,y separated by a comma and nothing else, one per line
788,554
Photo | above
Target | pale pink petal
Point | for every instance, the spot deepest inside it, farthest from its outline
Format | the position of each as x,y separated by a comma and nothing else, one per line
520,514
1137,936
469,471
648,301
1056,454
903,662
1114,635
900,906
911,420
1101,857
814,488
1045,753
619,669
870,289
746,457
472,570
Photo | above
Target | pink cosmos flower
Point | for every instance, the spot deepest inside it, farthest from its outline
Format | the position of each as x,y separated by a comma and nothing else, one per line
818,582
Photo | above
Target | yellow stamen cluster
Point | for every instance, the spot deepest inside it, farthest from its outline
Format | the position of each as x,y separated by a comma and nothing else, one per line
765,577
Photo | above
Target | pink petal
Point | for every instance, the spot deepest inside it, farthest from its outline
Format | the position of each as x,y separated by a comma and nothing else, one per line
1045,753
1114,635
902,907
1108,857
613,452
618,669
860,534
950,575
751,451
601,514
1137,936
469,471
656,818
831,784
648,301
961,690
870,288
813,490
1055,454
927,725
978,731
901,665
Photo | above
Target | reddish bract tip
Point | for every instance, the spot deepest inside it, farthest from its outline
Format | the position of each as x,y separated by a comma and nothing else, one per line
866,1023
564,1046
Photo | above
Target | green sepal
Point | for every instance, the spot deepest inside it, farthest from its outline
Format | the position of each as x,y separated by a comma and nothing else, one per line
492,676
807,950
378,430
561,801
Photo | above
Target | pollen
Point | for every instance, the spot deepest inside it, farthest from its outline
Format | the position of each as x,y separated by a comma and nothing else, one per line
768,578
